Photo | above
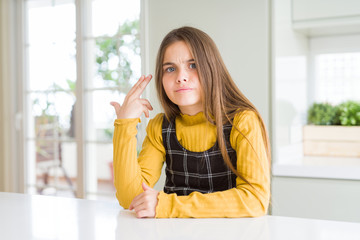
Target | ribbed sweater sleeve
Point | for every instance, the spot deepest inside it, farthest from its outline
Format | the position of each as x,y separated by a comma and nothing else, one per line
129,170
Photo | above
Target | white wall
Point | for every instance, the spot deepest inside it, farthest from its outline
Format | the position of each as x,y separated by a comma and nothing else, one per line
289,83
240,28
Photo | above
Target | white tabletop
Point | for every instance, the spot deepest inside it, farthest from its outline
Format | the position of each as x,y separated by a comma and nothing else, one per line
42,217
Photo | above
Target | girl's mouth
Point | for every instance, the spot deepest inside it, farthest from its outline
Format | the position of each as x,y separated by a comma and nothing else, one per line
184,90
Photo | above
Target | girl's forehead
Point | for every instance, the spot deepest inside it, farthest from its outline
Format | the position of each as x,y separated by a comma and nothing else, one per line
177,51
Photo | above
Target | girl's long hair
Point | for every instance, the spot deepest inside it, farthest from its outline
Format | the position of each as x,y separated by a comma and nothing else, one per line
221,98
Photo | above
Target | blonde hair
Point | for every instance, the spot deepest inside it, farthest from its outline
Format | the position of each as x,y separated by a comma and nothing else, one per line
221,98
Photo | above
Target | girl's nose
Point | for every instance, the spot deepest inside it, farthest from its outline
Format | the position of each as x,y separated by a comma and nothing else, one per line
182,77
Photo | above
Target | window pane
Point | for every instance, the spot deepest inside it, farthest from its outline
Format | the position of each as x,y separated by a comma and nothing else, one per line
101,115
47,22
51,151
56,108
337,77
100,171
51,49
108,15
116,61
51,166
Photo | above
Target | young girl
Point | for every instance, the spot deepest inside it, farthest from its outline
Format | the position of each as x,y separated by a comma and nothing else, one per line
211,137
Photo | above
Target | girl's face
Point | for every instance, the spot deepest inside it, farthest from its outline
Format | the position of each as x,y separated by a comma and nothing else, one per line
180,79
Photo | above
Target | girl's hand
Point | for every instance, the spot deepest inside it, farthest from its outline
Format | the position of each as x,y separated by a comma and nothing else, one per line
145,203
133,105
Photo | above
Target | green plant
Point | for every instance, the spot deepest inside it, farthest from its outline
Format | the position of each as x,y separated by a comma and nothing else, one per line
109,132
323,114
350,113
44,107
109,50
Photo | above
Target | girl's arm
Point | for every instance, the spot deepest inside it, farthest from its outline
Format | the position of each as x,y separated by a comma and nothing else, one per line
242,201
131,171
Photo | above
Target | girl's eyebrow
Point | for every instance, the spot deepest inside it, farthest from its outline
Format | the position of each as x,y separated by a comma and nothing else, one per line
167,63
170,63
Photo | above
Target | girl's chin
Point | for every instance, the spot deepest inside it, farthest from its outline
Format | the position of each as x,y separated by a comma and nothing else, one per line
186,104
186,101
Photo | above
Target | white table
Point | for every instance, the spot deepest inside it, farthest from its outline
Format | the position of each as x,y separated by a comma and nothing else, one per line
43,217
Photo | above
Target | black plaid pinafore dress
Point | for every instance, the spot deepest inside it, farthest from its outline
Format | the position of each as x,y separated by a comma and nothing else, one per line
188,171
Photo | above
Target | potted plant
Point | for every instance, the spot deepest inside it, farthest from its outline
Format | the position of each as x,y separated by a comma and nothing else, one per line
333,131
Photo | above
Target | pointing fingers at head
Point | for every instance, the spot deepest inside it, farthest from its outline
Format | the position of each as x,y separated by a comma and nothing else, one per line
133,106
139,87
135,85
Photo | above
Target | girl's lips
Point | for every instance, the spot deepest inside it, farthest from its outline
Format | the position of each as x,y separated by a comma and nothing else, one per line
184,90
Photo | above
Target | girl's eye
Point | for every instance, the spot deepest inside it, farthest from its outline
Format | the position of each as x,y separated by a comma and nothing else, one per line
192,65
170,69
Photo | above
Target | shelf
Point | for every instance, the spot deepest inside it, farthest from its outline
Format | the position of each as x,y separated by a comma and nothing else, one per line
320,167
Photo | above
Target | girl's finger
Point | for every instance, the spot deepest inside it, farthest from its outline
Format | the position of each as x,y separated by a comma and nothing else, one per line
143,214
140,207
146,103
136,201
136,84
116,106
141,87
146,112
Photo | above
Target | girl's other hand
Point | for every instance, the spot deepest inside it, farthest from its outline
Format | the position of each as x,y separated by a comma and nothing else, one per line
133,105
145,203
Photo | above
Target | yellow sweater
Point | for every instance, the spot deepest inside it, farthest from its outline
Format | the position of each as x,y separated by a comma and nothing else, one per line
197,135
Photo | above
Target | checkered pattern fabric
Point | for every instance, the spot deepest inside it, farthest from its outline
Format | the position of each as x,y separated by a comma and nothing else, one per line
188,171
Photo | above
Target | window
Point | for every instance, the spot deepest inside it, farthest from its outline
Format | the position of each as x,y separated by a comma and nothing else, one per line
337,77
66,90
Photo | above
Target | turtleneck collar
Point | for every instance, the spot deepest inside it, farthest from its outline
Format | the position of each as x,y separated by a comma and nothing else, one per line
194,119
